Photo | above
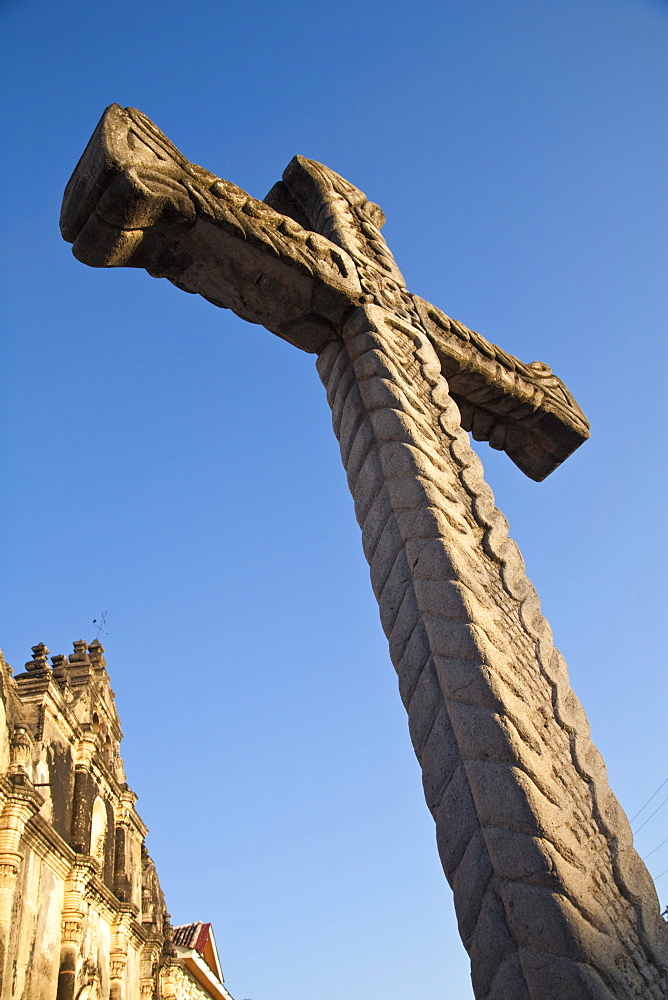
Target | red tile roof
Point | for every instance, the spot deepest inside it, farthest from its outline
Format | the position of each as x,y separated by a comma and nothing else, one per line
192,936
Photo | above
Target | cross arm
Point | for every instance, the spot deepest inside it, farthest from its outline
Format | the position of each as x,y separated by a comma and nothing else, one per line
522,409
297,263
135,201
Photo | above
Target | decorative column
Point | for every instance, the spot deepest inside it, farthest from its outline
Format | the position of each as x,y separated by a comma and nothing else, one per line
122,886
121,933
83,794
74,911
168,981
148,971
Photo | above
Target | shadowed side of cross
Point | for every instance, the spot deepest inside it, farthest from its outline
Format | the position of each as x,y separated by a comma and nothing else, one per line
552,901
134,200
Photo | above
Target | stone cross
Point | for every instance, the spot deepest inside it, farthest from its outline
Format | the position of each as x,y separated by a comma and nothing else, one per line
552,901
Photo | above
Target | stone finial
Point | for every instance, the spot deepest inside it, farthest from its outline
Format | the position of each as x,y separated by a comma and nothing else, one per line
96,654
60,665
80,654
39,661
20,750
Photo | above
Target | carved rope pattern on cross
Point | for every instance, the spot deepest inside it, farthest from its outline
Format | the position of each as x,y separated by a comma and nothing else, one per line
552,900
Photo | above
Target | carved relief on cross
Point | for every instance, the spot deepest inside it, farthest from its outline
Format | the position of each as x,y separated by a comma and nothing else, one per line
297,263
551,899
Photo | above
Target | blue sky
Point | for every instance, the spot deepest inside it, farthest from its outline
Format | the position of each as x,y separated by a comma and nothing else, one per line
176,467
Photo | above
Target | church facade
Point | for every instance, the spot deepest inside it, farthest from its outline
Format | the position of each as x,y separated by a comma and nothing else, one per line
82,914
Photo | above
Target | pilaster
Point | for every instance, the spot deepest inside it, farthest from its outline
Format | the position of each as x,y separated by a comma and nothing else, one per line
74,911
21,803
149,967
121,934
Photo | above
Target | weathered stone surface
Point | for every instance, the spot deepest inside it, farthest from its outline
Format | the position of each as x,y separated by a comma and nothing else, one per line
134,200
552,900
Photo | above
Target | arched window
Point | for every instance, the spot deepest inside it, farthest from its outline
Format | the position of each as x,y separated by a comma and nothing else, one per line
98,831
41,774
